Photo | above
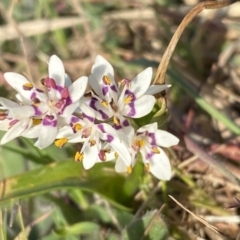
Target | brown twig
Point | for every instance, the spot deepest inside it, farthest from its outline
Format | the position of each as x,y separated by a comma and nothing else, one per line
8,16
162,68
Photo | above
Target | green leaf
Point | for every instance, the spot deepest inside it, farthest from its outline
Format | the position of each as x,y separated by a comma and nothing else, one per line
78,228
150,226
66,174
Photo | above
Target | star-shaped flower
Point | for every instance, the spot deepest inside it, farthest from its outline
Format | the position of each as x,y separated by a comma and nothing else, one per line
92,136
148,140
132,99
57,102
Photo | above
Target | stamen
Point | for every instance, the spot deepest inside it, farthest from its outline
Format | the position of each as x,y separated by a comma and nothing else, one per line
102,155
92,142
147,167
104,103
106,80
60,142
116,155
3,115
86,132
88,94
36,121
27,86
36,102
155,150
129,169
116,121
113,106
128,99
77,127
78,157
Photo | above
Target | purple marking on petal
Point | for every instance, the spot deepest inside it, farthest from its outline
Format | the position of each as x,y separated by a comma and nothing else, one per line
102,155
153,138
92,103
103,114
132,111
113,87
149,155
104,90
59,88
39,90
128,92
37,112
74,119
117,127
109,138
125,123
91,119
101,128
49,121
64,92
33,95
14,121
63,103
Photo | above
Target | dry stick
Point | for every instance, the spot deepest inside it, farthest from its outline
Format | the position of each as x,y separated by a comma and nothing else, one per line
8,17
162,68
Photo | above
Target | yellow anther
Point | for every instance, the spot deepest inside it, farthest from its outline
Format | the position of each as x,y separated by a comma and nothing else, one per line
116,155
155,150
129,169
60,142
140,143
128,99
27,86
78,157
77,127
104,103
92,142
147,167
36,121
106,80
116,121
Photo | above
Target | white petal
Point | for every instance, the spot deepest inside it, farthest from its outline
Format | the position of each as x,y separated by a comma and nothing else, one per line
152,127
8,103
153,89
65,132
22,112
32,132
69,109
141,82
120,147
90,154
16,130
101,60
141,107
16,81
160,166
47,135
165,139
68,81
56,70
77,89
120,166
100,68
4,124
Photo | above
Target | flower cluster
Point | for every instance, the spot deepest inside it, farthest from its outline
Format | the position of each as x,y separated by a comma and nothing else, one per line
62,111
